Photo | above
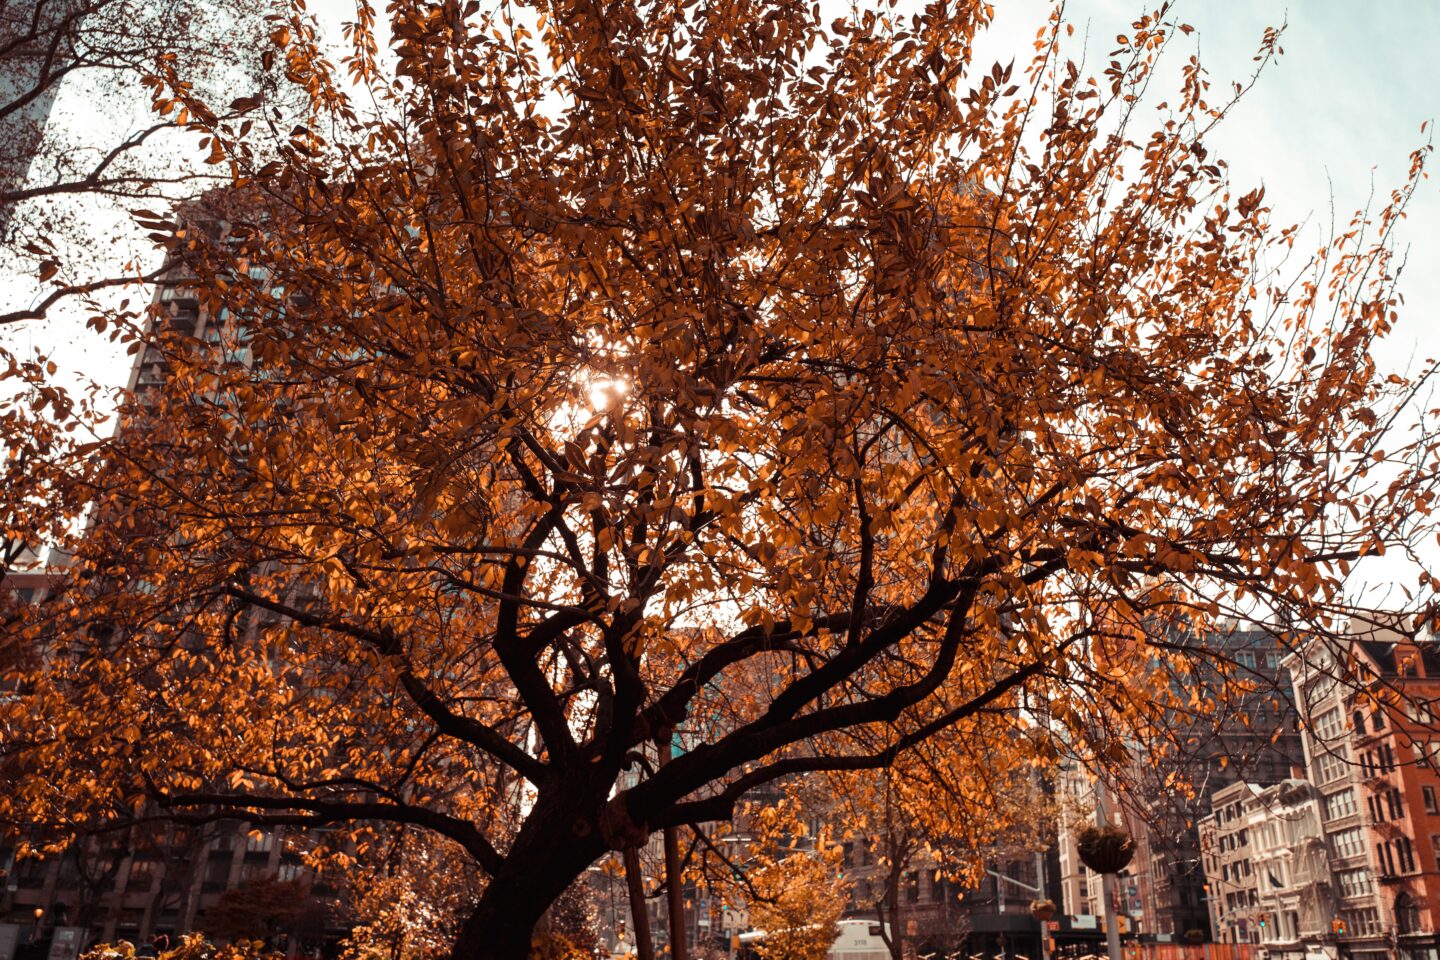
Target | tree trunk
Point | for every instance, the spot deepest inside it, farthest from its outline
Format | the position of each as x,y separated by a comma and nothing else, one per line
674,888
504,920
675,895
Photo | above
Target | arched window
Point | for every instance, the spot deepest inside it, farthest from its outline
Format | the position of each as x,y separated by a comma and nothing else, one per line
1407,913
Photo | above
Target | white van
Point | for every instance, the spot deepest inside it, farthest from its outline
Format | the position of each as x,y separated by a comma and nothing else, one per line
858,940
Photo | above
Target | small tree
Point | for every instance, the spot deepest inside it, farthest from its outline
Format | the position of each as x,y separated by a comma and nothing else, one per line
260,910
796,887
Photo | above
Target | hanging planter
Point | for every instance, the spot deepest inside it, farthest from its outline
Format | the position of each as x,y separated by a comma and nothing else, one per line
1042,910
1105,849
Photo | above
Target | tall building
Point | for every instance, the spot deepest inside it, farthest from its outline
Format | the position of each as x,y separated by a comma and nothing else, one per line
1396,750
166,879
1232,884
32,34
1292,868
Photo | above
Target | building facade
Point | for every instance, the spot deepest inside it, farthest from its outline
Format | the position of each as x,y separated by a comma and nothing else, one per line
160,880
1291,866
1396,745
1251,738
1361,924
1231,882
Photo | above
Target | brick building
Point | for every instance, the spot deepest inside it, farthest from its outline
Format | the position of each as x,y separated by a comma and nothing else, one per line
1396,744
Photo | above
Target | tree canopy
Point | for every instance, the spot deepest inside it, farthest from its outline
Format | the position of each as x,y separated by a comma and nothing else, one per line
584,373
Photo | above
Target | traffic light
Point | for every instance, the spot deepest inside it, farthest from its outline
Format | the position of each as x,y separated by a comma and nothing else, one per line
1263,918
1337,927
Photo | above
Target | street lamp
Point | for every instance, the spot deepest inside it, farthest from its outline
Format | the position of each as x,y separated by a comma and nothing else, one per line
39,913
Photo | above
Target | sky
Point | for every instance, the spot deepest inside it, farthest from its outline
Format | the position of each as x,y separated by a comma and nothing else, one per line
1332,120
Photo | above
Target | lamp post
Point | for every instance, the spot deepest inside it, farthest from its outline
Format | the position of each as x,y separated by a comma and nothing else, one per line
39,915
1107,850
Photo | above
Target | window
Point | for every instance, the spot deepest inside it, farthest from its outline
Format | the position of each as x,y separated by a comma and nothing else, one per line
1392,800
260,841
1245,659
1347,843
254,873
1384,856
217,876
1340,804
1435,848
1328,724
1360,923
141,873
1389,757
1330,764
1404,854
1377,720
1430,805
1355,883
1407,913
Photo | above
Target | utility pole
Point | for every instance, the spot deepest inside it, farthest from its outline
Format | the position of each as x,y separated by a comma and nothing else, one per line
635,884
1038,890
1040,895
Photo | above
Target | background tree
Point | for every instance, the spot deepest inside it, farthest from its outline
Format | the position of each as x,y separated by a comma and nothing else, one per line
796,887
72,168
567,931
806,387
260,910
405,896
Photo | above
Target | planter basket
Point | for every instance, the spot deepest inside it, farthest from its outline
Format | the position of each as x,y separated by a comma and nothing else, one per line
1105,849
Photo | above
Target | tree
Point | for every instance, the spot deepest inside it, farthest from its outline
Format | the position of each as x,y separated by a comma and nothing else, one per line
809,388
796,891
567,931
260,910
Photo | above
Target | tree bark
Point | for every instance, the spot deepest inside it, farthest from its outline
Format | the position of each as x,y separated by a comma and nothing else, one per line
675,891
503,922
674,888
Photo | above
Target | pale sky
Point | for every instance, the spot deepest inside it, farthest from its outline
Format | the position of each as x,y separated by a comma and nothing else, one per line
1336,116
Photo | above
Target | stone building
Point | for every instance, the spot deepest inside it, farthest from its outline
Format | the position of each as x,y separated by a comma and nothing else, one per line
1292,869
1324,704
1169,786
1232,888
